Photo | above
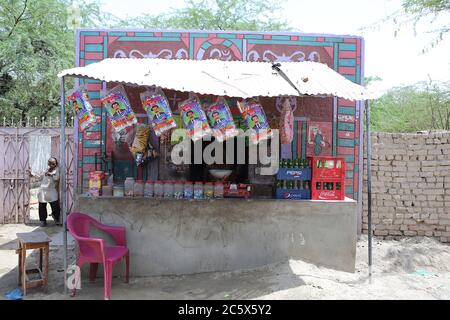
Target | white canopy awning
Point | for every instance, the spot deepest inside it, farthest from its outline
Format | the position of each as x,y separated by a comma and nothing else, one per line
225,78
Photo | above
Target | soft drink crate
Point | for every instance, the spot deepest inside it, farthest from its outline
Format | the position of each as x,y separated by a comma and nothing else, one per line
327,190
328,178
293,194
328,168
294,174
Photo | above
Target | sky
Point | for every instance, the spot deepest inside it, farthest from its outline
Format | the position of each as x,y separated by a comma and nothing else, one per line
397,60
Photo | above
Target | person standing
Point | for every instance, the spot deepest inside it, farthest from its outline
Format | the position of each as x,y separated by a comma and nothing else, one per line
48,191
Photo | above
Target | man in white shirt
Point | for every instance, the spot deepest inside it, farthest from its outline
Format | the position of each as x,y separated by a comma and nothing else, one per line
48,191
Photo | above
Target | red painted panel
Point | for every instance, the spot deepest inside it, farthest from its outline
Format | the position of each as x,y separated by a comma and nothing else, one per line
81,62
325,130
88,135
91,151
82,43
93,55
103,33
345,135
345,103
349,40
211,35
267,37
345,150
93,39
294,38
349,182
347,54
320,39
130,34
347,70
87,167
349,166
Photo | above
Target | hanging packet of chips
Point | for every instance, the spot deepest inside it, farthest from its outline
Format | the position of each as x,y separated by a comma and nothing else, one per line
79,100
158,110
119,109
256,120
139,146
220,120
286,123
194,119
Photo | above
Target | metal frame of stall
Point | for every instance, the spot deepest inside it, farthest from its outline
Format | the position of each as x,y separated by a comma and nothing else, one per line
62,162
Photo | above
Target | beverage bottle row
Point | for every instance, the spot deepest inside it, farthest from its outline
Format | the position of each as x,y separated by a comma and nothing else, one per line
327,185
294,163
293,184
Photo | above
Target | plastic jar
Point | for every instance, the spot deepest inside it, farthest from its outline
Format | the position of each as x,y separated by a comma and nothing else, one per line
198,190
178,190
139,188
118,190
168,189
209,190
218,190
188,190
158,189
149,189
107,191
129,187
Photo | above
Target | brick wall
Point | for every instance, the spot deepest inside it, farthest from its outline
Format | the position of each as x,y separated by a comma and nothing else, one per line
410,185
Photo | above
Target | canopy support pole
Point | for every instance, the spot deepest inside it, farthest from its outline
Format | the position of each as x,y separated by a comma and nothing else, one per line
62,184
369,186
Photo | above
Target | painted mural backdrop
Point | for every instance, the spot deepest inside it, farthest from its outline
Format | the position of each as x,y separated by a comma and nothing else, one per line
328,126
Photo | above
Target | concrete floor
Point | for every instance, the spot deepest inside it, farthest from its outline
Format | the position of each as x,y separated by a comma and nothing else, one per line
416,268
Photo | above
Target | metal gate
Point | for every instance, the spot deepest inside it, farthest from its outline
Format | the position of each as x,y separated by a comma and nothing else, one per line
14,161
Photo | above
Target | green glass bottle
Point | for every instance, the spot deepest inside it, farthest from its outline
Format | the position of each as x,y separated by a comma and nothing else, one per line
289,163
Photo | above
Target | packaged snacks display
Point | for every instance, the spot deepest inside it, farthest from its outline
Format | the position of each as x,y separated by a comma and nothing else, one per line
286,123
158,110
139,146
95,183
79,100
194,119
220,120
119,109
256,119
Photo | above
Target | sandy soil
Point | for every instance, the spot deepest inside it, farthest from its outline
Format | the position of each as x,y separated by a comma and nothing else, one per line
414,268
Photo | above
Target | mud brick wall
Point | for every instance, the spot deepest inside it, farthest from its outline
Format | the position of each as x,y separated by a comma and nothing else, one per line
410,185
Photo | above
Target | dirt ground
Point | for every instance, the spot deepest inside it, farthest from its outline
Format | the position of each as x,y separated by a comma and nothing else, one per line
414,268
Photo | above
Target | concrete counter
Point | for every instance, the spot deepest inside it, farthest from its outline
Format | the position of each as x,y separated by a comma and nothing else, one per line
173,237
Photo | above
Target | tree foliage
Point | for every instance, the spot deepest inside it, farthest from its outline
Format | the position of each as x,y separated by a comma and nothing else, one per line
257,15
37,40
412,12
424,106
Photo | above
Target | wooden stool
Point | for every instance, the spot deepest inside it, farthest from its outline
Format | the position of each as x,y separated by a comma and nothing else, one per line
28,241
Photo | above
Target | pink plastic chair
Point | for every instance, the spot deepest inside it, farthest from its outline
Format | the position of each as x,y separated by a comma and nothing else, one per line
94,251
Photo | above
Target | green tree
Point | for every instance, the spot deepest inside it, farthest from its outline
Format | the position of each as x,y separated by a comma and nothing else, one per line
257,15
37,40
424,106
412,12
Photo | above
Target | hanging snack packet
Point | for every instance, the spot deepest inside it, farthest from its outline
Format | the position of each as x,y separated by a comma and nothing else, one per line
194,119
119,109
158,110
79,100
140,143
256,120
221,121
286,123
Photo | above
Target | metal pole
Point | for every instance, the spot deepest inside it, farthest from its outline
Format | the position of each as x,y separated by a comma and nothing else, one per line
369,185
62,185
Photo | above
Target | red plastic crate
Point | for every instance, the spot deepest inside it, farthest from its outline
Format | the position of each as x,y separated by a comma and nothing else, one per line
330,173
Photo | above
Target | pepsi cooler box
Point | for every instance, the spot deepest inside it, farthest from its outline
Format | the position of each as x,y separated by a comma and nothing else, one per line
294,174
293,194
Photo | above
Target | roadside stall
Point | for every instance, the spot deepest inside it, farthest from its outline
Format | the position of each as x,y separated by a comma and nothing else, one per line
233,200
